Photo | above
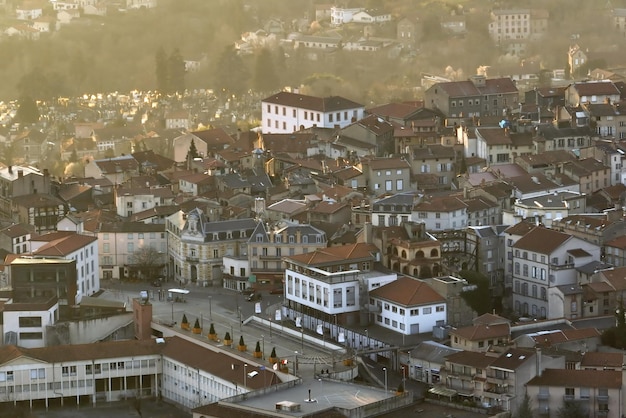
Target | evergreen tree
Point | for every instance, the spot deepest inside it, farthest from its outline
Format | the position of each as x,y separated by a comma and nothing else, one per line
27,112
193,151
161,71
265,78
231,75
571,410
176,72
525,410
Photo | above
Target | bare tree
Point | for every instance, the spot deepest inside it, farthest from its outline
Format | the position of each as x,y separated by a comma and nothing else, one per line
147,260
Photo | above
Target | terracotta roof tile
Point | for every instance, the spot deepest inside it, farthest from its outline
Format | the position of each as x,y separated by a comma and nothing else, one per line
542,240
578,378
408,292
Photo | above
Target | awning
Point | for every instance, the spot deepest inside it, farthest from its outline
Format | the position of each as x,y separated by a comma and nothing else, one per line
439,390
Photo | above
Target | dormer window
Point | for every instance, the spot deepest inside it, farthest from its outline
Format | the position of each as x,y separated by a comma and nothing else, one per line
243,234
216,236
291,239
259,238
305,239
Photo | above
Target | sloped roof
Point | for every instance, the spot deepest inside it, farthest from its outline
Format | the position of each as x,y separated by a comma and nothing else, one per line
319,104
64,246
578,378
408,292
542,240
334,255
482,332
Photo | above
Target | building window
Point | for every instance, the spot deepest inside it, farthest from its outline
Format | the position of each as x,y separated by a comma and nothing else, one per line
427,311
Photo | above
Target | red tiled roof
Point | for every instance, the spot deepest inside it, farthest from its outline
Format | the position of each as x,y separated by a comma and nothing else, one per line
542,240
408,292
482,332
333,255
578,378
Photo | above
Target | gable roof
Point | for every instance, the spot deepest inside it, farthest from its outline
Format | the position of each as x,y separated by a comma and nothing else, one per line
542,240
64,246
319,104
480,332
408,292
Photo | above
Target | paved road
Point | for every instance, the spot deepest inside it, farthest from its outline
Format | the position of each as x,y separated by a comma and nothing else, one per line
222,308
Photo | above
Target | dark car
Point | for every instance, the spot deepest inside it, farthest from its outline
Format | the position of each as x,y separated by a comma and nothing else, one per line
156,283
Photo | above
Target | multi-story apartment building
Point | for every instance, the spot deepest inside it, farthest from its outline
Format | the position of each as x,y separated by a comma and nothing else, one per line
334,283
592,175
434,161
409,248
21,181
500,146
486,245
543,259
441,213
592,92
267,246
478,96
15,238
597,392
71,246
196,247
392,210
286,112
486,331
118,243
547,207
610,154
387,175
517,24
550,138
408,306
129,201
495,380
598,228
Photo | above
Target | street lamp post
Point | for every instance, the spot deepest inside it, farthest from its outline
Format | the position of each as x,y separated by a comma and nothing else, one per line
211,307
385,370
263,345
295,369
302,336
403,378
245,375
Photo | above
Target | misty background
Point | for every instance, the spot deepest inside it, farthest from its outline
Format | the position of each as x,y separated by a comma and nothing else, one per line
119,52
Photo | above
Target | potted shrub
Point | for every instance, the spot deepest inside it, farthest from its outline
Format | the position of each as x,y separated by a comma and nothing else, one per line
347,361
212,335
196,327
242,345
400,389
184,324
273,359
257,351
227,339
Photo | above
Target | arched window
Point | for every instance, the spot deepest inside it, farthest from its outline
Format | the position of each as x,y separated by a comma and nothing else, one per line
414,272
404,254
434,252
419,254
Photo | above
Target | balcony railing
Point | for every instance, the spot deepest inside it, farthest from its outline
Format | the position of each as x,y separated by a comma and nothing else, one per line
561,266
543,396
192,259
602,398
568,398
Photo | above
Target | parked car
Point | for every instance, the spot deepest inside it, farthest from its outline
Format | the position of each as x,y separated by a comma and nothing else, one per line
156,283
